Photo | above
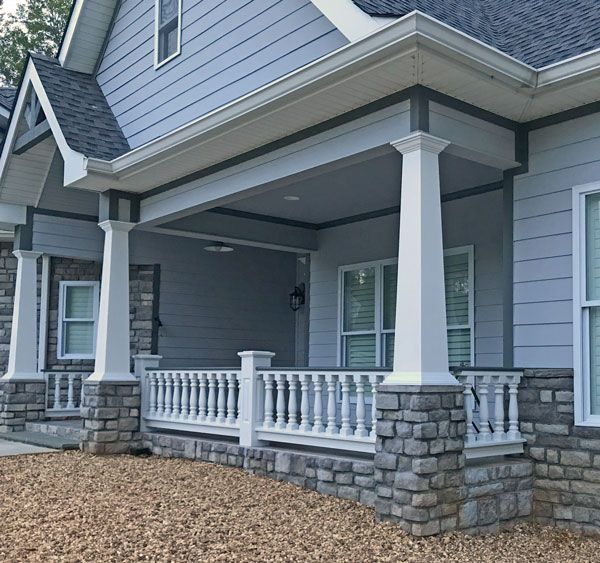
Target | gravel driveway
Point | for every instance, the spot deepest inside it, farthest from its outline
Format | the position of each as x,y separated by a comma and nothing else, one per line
75,507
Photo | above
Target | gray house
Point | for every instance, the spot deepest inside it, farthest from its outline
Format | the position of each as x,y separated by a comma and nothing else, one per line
396,202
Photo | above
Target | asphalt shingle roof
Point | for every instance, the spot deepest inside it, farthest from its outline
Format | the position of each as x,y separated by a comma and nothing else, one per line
7,97
81,109
536,32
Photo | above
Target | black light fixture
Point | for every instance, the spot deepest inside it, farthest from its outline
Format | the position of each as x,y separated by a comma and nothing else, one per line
298,297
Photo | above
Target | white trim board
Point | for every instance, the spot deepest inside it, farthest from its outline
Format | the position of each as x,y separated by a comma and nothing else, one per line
348,18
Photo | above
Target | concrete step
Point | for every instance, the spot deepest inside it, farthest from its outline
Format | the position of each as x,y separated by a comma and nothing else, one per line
63,428
43,440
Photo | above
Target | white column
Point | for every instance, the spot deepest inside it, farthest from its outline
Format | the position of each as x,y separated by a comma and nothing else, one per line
420,343
252,395
22,361
112,341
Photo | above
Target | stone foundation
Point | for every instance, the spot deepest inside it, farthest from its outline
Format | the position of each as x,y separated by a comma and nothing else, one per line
21,402
111,418
419,457
566,457
347,478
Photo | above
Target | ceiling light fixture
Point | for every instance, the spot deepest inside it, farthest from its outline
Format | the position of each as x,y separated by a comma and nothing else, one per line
218,247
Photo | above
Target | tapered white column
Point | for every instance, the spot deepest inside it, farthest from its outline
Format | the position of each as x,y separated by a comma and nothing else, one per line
22,361
112,341
420,343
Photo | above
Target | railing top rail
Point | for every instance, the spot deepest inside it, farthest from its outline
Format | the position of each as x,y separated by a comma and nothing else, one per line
209,369
323,370
465,369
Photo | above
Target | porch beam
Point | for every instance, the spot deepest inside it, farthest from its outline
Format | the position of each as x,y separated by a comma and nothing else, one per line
420,341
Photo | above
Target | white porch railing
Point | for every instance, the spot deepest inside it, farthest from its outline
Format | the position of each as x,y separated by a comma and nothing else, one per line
64,392
331,408
203,401
491,391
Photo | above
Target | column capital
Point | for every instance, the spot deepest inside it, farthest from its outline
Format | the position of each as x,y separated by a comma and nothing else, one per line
27,254
255,354
111,225
420,141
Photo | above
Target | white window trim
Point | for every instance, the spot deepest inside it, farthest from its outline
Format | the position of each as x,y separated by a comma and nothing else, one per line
581,352
157,63
378,265
62,288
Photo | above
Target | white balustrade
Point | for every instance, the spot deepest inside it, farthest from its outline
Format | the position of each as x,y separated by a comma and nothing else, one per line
193,400
488,436
63,390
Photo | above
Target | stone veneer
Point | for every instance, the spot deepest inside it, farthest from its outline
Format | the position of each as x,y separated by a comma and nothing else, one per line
21,402
419,457
566,457
111,418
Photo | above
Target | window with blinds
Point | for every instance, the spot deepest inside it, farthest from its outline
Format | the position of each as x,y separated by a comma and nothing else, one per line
368,315
168,30
78,315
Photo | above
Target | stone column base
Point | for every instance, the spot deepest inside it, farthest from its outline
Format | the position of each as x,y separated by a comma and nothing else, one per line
419,460
111,417
21,402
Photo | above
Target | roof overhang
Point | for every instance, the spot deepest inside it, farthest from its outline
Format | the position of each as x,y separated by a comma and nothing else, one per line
415,49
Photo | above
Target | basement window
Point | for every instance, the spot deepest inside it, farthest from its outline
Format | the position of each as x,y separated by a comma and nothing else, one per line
167,36
77,319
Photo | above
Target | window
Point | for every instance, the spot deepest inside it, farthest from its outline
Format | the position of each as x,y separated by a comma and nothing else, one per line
368,310
167,37
77,319
586,299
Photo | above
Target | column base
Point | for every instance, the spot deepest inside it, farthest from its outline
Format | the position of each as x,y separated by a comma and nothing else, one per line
420,378
99,377
111,417
21,402
24,377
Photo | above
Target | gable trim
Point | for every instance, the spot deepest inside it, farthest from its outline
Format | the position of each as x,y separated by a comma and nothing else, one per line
347,17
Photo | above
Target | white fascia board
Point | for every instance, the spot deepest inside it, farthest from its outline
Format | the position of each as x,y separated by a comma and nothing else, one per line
348,18
74,162
569,70
70,33
402,34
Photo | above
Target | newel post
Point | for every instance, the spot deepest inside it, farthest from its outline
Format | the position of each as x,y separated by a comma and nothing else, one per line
252,395
141,363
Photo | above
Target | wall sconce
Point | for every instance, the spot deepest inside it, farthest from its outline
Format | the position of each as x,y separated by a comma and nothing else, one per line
298,297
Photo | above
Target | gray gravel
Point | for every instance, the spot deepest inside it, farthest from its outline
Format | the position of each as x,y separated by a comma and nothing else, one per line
75,507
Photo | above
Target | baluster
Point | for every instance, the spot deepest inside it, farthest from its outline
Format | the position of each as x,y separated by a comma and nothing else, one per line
70,381
305,404
331,405
469,406
484,416
239,394
318,408
346,429
231,399
221,400
185,395
499,434
212,397
57,378
168,394
269,384
293,403
202,398
193,396
160,401
153,396
176,395
280,424
361,429
374,388
513,409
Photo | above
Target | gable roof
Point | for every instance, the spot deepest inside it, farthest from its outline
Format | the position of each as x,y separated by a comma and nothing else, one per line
7,97
536,32
81,110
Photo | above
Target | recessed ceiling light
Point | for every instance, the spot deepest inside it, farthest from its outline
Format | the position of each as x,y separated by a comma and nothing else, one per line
291,198
218,247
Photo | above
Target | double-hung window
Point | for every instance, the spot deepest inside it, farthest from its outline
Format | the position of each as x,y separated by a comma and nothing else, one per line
167,37
368,310
77,319
586,299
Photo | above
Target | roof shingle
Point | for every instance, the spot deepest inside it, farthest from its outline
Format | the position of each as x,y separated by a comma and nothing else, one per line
82,111
536,32
7,97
